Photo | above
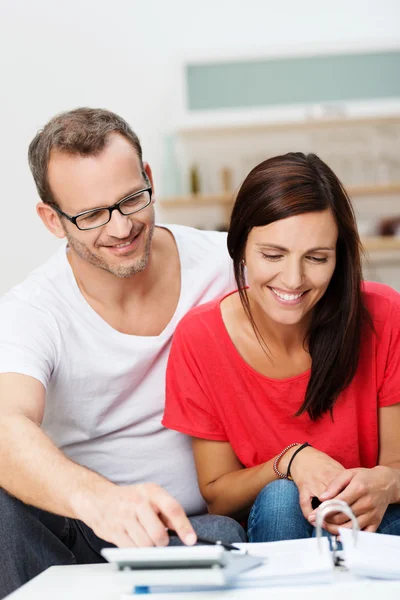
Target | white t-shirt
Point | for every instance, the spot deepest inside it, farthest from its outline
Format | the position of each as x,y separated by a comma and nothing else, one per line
105,389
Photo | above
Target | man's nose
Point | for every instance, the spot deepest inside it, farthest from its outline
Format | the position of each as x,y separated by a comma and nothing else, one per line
119,226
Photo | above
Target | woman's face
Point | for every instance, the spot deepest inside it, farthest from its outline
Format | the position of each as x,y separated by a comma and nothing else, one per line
290,264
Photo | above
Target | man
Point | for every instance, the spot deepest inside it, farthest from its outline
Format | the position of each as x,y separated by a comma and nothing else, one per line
84,342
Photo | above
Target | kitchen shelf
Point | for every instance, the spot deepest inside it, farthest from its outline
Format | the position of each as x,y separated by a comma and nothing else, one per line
239,122
381,243
227,199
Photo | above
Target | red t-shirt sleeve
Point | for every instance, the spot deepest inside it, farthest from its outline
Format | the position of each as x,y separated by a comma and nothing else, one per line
188,406
389,351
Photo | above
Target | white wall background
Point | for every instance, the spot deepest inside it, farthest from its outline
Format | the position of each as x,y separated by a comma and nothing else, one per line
125,55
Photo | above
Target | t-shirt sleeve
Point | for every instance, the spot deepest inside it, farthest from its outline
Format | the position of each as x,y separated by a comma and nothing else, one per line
189,408
389,351
28,340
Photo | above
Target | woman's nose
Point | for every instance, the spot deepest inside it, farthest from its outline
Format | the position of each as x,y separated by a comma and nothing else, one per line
292,275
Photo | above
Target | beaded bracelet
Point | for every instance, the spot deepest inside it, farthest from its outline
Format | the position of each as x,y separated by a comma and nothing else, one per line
277,459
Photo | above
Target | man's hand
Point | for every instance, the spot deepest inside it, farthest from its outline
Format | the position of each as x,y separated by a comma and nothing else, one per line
136,515
311,471
368,492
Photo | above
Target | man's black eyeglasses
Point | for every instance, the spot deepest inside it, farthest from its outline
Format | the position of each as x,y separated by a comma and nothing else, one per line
97,217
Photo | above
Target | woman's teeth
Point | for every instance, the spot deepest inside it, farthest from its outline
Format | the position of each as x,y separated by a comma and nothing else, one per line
287,296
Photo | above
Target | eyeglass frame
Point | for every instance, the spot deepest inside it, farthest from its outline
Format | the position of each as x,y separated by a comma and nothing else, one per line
116,206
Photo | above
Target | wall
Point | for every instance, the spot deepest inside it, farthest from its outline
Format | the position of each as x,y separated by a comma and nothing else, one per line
337,77
126,55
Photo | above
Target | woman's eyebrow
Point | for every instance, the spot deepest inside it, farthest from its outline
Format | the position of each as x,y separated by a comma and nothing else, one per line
276,247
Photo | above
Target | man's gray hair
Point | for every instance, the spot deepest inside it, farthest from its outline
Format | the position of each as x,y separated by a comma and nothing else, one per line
83,131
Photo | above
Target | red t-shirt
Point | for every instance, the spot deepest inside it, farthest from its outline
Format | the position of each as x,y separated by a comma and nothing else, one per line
212,393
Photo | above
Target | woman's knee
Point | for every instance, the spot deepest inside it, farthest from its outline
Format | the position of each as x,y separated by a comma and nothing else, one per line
390,524
276,514
279,500
282,492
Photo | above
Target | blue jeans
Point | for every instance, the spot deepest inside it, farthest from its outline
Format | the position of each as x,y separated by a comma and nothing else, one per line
276,515
31,540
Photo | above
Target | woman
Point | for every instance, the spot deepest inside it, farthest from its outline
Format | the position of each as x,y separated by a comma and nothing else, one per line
303,353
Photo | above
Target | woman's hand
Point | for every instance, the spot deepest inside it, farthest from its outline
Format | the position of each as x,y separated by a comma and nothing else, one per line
368,492
312,471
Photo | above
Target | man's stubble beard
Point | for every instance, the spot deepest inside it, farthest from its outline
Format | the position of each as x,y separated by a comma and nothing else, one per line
120,271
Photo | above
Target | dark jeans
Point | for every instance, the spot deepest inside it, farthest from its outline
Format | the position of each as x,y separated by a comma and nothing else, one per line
31,540
276,515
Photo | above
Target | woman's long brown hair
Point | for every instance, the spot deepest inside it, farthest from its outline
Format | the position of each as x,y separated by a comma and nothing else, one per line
295,184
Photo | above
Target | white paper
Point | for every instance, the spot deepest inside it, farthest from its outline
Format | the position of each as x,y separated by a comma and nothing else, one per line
290,562
373,555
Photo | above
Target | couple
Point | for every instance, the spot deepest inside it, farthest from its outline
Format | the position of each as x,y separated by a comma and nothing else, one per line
302,353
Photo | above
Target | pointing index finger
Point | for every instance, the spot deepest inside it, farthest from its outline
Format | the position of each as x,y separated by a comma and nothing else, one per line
175,517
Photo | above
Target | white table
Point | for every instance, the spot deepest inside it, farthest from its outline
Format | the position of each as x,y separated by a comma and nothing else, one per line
104,582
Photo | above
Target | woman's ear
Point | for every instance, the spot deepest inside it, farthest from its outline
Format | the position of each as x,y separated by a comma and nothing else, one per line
51,219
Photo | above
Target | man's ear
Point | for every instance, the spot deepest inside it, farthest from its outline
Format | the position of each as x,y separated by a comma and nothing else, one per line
51,219
147,170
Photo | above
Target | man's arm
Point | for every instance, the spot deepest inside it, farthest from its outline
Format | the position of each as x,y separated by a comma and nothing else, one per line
34,470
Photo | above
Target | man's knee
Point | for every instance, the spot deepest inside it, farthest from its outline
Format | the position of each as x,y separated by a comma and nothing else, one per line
12,514
220,528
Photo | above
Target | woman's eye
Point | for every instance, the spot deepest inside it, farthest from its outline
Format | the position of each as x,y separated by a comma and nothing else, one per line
313,259
272,256
317,260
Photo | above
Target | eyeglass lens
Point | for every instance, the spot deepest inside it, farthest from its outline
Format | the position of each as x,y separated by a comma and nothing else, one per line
99,217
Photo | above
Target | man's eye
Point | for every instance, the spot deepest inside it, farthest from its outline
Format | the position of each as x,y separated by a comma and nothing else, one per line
132,202
92,216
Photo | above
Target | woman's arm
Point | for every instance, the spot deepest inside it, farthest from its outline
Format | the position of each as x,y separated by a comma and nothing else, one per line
231,489
225,484
370,491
